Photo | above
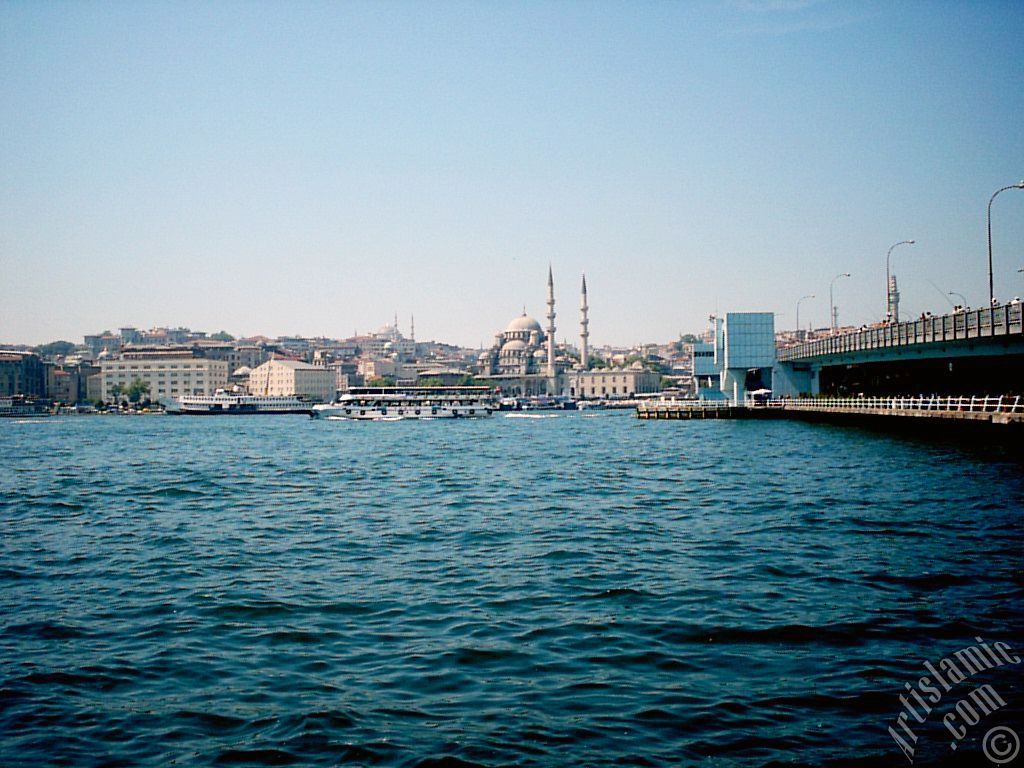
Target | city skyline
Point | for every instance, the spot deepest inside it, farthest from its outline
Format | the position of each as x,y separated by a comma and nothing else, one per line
306,169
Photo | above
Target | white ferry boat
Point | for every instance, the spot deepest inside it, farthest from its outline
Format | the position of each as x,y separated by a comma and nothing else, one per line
19,406
396,403
238,404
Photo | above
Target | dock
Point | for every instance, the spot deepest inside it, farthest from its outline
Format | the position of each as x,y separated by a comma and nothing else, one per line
704,409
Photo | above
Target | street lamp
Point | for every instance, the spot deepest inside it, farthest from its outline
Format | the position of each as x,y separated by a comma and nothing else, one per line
831,303
809,296
888,303
991,291
963,299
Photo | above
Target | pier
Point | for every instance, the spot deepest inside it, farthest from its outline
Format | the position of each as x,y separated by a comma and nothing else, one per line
975,411
704,409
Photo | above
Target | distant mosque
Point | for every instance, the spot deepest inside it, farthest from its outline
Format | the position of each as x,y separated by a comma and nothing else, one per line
524,360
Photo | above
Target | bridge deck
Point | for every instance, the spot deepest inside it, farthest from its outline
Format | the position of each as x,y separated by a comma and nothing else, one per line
992,322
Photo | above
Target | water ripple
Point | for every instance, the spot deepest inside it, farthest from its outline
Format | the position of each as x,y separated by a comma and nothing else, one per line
529,592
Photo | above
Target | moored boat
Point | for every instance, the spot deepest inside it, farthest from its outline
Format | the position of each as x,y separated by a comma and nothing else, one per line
398,403
223,403
538,403
546,403
19,406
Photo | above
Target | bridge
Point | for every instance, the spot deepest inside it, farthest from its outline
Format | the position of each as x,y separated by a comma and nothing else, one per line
979,350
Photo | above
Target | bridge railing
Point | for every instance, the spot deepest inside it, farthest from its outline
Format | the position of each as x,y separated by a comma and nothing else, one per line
992,404
1002,320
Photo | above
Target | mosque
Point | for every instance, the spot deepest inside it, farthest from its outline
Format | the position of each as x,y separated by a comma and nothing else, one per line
524,360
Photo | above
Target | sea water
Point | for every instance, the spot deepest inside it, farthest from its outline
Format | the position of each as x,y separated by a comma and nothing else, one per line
590,589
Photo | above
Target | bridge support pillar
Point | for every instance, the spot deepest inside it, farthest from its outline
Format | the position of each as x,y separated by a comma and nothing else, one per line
796,379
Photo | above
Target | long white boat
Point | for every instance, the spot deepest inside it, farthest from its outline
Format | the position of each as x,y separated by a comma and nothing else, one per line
223,403
397,403
19,406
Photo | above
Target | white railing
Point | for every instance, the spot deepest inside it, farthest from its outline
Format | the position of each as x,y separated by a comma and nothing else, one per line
985,404
933,403
685,405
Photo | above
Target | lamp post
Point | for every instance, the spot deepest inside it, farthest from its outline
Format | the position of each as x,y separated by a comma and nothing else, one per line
831,302
991,290
809,296
888,308
963,299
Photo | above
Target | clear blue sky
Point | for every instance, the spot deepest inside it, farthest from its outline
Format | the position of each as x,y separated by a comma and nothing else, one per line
312,168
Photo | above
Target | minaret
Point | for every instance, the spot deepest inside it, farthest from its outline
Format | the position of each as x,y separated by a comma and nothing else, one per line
584,333
551,328
412,327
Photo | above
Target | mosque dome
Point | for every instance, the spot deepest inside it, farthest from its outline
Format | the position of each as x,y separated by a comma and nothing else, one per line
513,346
523,323
245,370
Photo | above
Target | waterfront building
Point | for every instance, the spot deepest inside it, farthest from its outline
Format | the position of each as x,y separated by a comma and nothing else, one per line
739,358
87,371
704,371
94,386
61,383
168,375
744,352
293,377
21,373
613,383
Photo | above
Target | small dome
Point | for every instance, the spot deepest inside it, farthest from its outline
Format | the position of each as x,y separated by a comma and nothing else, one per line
540,354
524,323
245,370
513,346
